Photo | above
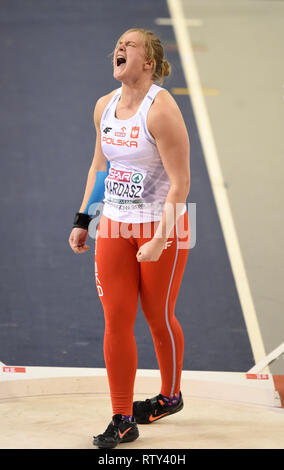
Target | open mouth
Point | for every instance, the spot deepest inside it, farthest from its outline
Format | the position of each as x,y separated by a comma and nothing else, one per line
120,60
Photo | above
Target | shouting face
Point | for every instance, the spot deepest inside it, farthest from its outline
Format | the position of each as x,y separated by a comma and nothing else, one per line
130,61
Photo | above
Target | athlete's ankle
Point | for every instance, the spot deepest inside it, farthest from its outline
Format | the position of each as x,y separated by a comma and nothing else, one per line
171,400
127,417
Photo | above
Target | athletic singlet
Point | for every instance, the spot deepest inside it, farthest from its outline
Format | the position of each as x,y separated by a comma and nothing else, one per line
137,184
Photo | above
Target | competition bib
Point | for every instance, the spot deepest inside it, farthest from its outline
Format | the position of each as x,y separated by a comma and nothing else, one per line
124,188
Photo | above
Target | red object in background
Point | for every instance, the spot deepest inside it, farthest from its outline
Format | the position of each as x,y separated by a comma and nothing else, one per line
14,369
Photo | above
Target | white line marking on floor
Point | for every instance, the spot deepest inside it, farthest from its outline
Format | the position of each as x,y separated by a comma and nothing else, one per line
216,177
271,357
169,21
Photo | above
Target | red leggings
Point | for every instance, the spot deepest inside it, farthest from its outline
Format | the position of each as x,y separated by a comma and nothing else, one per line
120,278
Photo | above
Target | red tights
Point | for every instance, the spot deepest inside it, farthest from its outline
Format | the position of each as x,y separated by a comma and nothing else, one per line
120,278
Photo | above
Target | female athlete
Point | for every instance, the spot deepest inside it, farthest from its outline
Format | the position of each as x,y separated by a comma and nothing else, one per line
141,170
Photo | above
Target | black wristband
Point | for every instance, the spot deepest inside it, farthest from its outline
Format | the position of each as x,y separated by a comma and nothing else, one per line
82,220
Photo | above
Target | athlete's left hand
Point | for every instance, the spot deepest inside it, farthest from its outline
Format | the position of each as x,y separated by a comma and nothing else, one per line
151,251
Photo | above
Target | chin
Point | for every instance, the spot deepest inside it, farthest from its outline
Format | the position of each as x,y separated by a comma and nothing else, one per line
116,74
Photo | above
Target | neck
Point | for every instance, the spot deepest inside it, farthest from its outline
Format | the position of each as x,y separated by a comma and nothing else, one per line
134,93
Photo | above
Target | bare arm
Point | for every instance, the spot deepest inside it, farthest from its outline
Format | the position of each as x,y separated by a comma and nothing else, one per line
78,236
99,162
166,124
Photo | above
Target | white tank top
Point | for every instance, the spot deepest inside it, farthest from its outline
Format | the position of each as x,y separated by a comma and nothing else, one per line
137,184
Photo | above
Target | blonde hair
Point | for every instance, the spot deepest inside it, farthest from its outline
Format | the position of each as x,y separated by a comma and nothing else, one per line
154,51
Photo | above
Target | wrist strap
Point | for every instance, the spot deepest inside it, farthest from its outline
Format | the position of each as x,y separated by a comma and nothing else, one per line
82,220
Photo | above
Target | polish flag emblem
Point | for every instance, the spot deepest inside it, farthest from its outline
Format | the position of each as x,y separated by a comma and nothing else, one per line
134,132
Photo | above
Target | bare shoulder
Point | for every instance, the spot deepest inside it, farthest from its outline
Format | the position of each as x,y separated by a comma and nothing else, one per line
164,102
164,113
100,106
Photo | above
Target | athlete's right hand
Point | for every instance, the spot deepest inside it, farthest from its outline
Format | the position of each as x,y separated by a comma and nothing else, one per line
77,240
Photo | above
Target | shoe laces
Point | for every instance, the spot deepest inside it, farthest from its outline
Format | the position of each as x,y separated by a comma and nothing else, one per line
152,403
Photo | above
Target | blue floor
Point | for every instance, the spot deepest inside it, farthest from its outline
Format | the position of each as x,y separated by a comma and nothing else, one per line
56,63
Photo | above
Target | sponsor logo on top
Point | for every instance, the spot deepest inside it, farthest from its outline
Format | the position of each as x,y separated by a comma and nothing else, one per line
127,176
107,129
121,133
119,175
137,177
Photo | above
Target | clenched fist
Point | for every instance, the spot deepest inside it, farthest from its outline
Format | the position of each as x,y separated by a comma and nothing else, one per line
77,240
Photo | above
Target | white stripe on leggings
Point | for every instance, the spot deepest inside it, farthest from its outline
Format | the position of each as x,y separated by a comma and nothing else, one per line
167,318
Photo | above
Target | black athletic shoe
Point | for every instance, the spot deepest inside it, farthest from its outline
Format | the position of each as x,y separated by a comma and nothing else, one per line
118,431
155,408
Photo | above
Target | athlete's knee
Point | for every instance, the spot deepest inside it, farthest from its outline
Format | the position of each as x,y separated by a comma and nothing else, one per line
157,321
119,320
161,321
